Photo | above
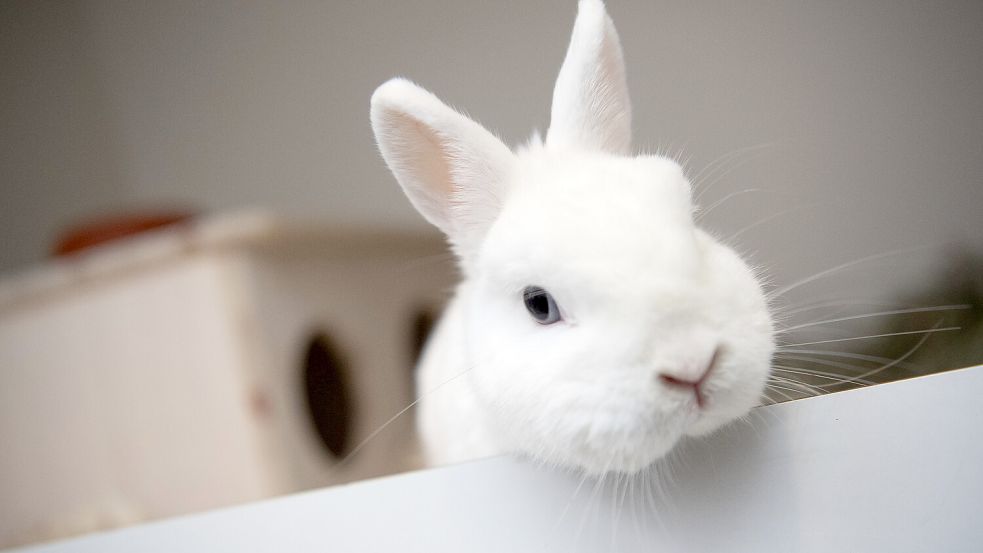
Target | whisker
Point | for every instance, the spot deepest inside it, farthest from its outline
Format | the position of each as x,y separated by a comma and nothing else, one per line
591,507
895,362
923,331
566,509
844,302
768,399
818,374
778,390
634,504
846,354
748,419
888,365
881,314
795,392
835,364
785,289
697,178
703,212
796,384
734,236
620,491
705,183
392,419
650,485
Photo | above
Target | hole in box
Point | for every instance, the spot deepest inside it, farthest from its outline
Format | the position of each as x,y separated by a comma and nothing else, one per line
329,399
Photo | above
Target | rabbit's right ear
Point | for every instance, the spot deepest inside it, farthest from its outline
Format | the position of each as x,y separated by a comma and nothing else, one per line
591,108
452,169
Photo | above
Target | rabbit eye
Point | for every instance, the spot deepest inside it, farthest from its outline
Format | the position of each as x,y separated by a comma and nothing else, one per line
540,305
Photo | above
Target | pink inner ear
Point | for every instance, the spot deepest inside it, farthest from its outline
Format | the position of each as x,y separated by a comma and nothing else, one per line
609,113
450,167
419,158
439,172
435,179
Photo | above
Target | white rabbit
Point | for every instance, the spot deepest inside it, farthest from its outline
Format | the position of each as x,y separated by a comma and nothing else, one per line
595,324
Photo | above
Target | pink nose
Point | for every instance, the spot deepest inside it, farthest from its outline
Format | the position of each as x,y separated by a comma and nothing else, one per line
673,381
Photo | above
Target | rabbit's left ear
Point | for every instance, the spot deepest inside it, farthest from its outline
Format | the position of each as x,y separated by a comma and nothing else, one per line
591,109
452,169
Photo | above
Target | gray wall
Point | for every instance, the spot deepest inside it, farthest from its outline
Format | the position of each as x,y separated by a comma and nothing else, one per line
873,111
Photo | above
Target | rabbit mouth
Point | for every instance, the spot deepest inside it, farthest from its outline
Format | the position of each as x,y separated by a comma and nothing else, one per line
695,384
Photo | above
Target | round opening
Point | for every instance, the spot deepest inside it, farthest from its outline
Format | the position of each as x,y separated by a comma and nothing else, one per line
420,328
328,397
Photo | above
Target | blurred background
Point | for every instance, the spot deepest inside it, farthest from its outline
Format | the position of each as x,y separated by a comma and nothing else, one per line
270,320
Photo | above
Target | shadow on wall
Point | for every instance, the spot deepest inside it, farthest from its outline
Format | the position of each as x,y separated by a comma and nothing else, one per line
839,344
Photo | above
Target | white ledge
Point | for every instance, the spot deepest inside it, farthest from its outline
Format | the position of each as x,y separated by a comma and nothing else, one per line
894,467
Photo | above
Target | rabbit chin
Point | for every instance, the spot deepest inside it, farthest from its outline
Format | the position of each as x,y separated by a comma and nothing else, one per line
614,452
630,441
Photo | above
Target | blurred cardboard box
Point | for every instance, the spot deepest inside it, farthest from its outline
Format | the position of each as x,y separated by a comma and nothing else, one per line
234,358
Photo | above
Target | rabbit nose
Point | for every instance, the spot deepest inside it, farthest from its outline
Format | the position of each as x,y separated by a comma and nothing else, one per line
689,383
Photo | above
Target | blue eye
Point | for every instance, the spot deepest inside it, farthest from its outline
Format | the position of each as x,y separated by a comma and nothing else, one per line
540,305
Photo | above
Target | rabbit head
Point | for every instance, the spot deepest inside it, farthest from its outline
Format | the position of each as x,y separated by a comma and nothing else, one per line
602,325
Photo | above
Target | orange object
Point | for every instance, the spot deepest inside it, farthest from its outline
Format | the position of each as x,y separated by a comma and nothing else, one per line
109,229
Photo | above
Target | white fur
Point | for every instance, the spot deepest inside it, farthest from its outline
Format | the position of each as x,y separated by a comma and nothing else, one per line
641,290
591,108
